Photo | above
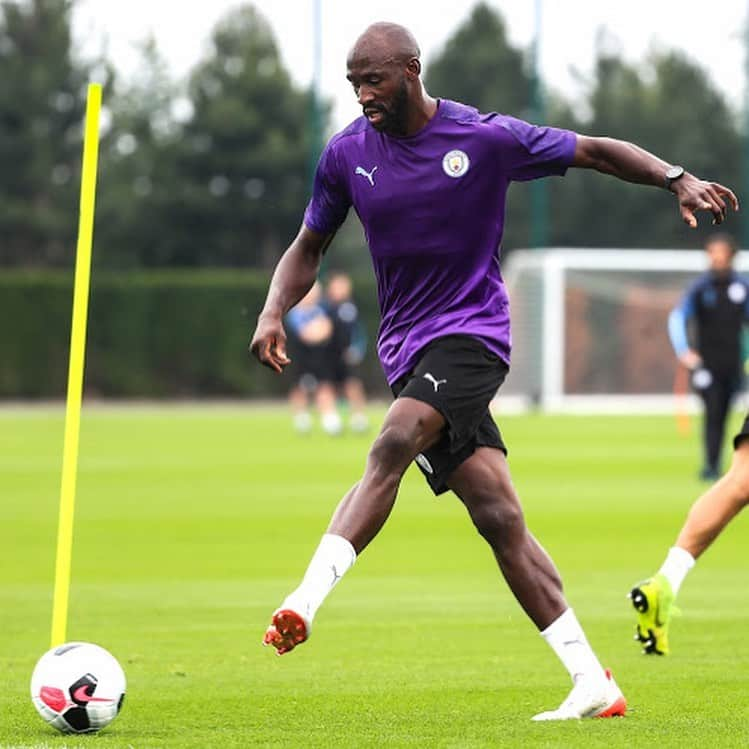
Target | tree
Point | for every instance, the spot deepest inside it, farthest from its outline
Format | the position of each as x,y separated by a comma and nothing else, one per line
670,107
42,102
241,162
137,175
478,66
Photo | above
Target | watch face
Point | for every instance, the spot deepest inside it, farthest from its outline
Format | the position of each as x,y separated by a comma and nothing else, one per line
674,172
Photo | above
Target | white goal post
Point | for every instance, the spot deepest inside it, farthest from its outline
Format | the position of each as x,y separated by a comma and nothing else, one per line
589,327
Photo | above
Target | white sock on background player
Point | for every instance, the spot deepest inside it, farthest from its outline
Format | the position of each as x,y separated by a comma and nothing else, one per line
359,422
303,422
676,567
332,423
333,558
568,641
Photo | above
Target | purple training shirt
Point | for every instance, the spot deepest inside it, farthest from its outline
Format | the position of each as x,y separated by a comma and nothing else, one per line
433,206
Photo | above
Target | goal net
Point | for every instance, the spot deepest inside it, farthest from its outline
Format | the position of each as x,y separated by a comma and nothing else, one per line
590,328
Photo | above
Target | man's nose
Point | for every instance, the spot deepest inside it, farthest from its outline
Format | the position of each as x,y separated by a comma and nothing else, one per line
365,95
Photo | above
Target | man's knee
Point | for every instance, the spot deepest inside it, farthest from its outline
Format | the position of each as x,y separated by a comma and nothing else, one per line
392,451
497,515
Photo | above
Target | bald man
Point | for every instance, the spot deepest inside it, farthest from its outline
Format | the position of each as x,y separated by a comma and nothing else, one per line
428,179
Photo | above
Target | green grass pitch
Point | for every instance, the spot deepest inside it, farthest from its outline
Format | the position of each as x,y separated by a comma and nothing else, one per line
192,524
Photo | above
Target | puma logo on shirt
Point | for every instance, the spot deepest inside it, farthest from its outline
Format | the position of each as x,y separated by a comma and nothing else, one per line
364,173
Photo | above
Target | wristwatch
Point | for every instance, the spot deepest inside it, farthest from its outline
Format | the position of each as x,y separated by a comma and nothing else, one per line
672,174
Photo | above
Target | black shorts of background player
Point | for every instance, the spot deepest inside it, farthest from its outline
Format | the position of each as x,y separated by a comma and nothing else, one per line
706,332
312,347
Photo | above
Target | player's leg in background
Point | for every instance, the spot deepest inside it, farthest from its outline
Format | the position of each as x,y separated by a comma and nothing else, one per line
708,516
299,402
353,390
730,387
716,397
410,427
727,387
325,400
483,484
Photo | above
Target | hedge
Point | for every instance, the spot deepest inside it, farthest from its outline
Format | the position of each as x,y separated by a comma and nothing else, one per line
151,334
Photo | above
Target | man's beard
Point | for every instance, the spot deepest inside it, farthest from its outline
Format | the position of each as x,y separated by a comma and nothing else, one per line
395,118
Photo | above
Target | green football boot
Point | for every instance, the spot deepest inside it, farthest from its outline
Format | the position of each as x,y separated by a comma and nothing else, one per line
653,601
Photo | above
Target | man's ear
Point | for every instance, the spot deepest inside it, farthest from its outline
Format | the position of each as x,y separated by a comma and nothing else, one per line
413,68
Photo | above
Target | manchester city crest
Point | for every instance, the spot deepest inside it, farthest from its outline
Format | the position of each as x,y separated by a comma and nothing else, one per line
737,292
455,163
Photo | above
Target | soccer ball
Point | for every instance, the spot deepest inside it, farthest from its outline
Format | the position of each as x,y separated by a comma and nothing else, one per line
78,687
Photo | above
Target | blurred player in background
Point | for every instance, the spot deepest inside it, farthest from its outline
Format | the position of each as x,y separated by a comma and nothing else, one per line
706,332
351,345
428,179
313,346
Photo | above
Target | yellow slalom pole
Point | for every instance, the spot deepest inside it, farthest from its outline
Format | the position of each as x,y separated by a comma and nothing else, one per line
76,364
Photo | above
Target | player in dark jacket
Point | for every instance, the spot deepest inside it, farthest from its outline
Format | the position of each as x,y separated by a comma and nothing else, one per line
706,331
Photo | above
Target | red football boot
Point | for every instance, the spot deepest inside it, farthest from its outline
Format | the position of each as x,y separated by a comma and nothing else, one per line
287,630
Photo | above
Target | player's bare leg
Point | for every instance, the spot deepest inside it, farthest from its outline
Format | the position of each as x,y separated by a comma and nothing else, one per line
483,483
410,427
712,512
709,515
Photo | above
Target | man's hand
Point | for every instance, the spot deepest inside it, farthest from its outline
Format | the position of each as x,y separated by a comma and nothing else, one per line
269,343
691,359
697,195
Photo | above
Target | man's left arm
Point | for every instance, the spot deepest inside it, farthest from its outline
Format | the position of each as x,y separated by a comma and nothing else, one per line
634,164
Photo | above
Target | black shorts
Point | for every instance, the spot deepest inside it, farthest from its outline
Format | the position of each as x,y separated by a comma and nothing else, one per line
743,433
313,365
341,370
458,376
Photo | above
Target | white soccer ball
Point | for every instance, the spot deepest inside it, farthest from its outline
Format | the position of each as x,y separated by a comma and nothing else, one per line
78,687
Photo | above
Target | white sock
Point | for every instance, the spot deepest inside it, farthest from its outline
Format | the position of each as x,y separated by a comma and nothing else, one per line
568,641
676,567
359,422
333,558
332,423
302,421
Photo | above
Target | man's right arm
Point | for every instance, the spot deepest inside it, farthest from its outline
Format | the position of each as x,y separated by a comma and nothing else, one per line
293,278
634,164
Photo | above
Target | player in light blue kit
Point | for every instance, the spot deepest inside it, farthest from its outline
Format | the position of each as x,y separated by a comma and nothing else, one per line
428,180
